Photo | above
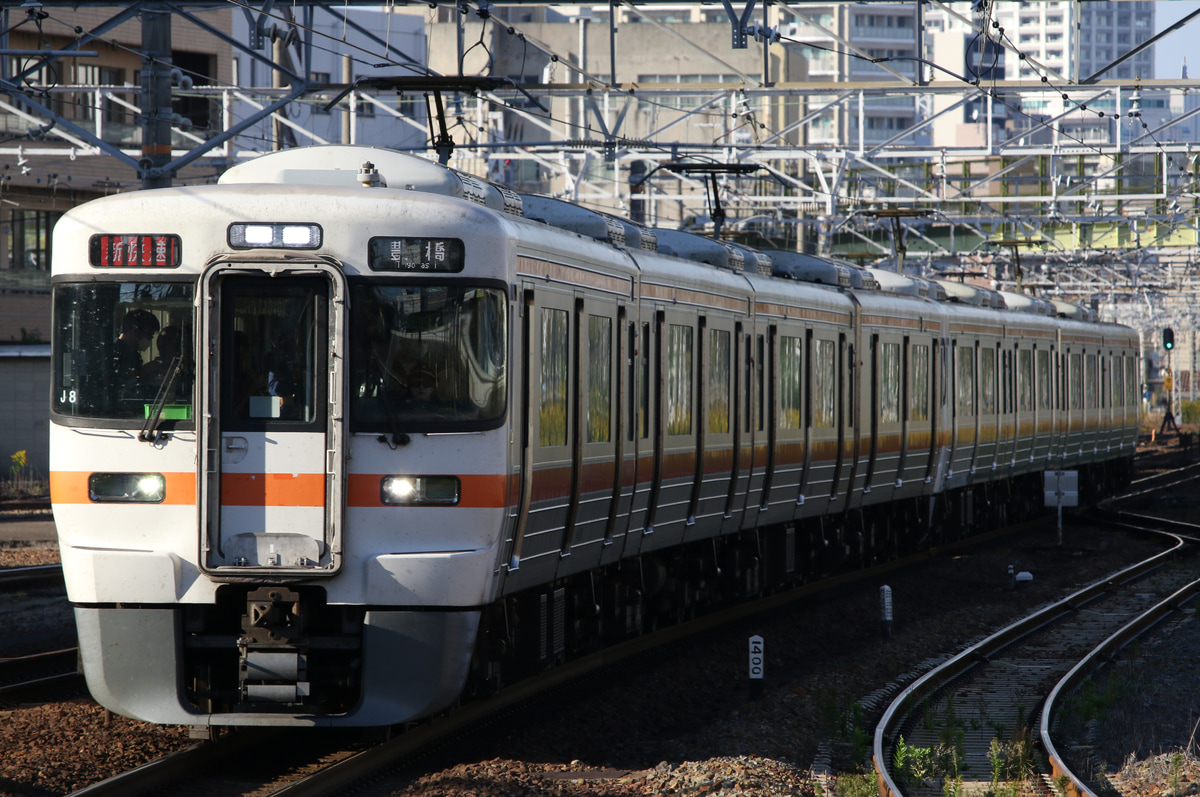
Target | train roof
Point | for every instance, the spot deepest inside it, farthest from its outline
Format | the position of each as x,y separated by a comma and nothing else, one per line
376,167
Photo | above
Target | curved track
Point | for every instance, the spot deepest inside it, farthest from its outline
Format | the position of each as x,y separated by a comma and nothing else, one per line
970,711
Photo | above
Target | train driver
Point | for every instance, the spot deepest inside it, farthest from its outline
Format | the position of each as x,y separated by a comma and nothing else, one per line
137,333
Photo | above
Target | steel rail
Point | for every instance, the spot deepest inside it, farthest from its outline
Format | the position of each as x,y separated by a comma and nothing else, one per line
33,575
1131,632
978,655
461,720
15,683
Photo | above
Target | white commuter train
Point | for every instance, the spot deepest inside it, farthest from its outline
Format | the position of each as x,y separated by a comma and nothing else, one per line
349,432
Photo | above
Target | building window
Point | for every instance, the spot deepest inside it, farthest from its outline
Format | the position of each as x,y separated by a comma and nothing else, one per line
31,239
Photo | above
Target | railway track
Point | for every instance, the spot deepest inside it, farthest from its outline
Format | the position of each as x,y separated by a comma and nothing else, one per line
34,576
26,677
969,718
241,758
328,770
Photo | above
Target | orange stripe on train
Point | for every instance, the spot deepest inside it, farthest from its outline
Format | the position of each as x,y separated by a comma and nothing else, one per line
71,487
272,489
479,491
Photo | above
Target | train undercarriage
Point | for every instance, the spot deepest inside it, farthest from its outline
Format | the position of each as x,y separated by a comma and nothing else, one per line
539,628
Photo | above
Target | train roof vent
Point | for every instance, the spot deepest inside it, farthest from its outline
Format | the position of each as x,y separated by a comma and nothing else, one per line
1072,311
649,239
899,283
766,264
700,249
489,195
566,216
339,165
861,278
1024,303
809,268
965,294
933,289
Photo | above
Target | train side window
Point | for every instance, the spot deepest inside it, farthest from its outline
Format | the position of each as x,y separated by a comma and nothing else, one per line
791,359
718,381
760,370
1131,381
1024,380
889,383
965,379
1043,379
1105,381
824,399
599,422
644,387
848,407
1119,389
1091,379
918,383
1075,381
749,383
552,419
987,380
679,379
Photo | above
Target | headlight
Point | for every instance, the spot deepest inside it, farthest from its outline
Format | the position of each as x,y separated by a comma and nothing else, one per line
143,488
419,490
243,235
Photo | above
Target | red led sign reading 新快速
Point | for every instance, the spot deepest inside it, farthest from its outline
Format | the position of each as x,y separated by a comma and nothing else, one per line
134,251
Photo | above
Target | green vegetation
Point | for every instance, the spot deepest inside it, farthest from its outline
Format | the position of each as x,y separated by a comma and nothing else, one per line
23,481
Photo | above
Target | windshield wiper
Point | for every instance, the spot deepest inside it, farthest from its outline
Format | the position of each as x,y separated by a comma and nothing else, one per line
398,438
150,433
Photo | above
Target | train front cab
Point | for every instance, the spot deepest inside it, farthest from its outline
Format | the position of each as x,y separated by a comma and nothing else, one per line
273,584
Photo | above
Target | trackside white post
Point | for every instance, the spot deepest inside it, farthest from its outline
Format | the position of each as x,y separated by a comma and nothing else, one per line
885,610
757,665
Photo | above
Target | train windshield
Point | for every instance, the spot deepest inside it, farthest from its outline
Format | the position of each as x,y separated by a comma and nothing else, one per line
427,357
123,351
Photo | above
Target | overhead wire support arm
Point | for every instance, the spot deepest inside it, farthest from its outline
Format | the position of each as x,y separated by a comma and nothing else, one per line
740,22
709,171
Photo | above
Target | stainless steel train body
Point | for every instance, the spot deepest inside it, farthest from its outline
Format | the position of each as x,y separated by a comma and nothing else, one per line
349,431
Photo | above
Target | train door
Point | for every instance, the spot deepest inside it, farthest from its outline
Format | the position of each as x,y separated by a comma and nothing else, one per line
935,404
738,428
272,478
547,338
595,473
715,432
769,424
845,414
641,436
678,420
987,446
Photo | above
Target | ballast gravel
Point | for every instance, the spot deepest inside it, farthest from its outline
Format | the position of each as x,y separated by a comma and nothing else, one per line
687,724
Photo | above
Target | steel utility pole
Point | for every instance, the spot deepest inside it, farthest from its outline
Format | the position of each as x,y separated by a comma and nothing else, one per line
156,98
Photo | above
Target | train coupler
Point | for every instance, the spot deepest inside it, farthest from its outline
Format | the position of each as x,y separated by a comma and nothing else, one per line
273,650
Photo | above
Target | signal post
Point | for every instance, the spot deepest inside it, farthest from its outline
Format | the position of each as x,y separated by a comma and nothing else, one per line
1168,341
